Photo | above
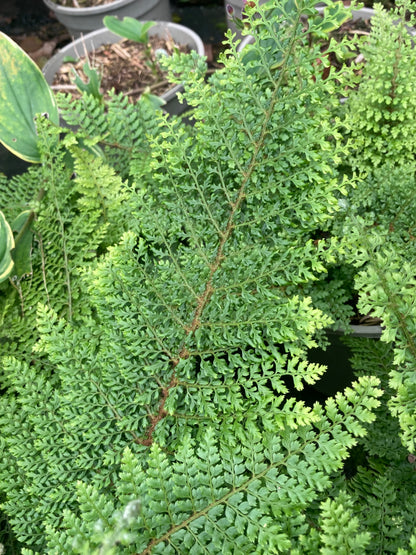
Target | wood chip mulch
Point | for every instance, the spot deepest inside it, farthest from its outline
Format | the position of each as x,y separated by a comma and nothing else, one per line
123,68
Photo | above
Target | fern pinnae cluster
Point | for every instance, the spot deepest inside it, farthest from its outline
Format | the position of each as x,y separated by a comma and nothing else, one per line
393,300
216,498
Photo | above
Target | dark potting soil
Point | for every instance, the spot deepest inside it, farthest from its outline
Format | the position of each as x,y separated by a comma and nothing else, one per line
126,67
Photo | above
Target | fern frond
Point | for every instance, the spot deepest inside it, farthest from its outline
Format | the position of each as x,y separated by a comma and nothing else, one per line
383,109
121,127
70,227
385,508
212,497
387,286
187,327
341,528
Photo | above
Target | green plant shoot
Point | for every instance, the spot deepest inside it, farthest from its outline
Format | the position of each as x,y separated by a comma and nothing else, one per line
129,28
132,29
92,86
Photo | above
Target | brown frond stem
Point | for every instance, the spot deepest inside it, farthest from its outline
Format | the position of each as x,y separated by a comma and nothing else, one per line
204,298
156,418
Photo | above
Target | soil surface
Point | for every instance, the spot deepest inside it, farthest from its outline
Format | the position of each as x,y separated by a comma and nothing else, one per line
124,66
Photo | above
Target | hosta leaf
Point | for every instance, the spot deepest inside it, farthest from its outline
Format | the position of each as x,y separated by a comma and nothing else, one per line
6,245
21,226
23,94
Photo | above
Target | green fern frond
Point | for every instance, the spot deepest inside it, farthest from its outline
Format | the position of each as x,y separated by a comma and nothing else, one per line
341,528
69,228
383,509
387,284
123,128
216,498
179,340
383,109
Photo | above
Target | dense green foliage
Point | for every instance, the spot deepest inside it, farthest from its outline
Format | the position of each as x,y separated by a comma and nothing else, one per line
379,222
380,121
378,229
151,358
383,109
75,217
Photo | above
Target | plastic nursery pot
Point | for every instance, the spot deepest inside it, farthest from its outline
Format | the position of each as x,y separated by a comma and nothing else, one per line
80,21
10,164
179,33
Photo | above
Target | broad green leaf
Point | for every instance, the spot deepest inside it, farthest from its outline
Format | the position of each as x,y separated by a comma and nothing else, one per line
21,226
6,245
23,94
128,28
152,100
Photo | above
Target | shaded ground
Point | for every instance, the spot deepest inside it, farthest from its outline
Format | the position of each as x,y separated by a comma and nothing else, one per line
35,29
29,23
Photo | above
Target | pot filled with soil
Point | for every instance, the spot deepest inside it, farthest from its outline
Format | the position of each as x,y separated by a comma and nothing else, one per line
125,66
83,16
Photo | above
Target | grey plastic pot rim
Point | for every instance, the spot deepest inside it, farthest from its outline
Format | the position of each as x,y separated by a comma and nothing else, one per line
87,11
369,332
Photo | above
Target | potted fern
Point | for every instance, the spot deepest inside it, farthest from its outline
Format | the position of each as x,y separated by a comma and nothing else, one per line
379,211
151,403
380,120
83,16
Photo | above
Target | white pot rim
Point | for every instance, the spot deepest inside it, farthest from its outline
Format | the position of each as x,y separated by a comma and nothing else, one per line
93,10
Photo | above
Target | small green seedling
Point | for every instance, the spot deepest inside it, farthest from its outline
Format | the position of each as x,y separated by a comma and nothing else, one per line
69,60
133,29
92,86
129,28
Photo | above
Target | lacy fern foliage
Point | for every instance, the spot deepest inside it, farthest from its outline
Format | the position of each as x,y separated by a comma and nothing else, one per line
160,394
383,109
219,498
71,223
